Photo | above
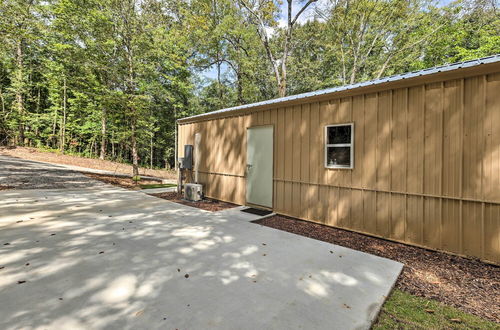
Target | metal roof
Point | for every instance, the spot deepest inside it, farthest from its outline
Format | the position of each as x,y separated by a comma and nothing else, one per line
429,71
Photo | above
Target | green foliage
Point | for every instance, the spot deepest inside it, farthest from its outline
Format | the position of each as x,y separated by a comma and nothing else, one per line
109,78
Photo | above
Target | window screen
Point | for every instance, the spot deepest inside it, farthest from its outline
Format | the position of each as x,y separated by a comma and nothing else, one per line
339,146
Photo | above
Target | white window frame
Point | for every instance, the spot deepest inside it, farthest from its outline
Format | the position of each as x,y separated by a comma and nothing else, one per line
350,145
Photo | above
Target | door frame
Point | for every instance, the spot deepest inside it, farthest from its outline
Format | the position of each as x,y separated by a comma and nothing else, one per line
273,163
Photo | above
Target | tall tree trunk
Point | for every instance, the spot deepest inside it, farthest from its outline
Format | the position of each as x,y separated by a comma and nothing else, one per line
53,138
103,134
63,123
19,91
2,100
135,158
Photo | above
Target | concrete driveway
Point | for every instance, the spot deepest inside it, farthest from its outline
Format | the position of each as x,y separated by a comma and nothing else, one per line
104,257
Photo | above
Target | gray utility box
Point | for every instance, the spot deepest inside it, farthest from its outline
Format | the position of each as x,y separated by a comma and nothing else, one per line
193,192
188,157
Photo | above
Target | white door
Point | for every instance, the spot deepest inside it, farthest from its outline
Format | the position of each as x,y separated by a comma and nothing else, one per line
260,166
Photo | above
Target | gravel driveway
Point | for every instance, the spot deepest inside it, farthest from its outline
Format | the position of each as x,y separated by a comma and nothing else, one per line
25,174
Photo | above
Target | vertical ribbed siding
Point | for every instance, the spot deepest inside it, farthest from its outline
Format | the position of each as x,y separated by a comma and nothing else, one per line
427,163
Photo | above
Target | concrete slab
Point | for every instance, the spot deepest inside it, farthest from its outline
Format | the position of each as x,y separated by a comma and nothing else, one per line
116,259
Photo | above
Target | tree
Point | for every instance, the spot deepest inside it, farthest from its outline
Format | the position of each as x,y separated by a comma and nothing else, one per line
262,14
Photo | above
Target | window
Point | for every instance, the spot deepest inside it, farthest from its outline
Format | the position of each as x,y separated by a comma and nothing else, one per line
339,149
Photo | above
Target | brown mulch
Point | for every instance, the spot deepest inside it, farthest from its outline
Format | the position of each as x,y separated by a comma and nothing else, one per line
467,284
97,164
119,181
205,204
5,187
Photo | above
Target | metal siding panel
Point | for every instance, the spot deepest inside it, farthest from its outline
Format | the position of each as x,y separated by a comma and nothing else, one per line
317,158
415,140
473,129
433,139
344,208
383,214
492,233
370,142
383,141
333,203
451,138
472,233
451,227
398,144
398,217
296,143
414,219
359,136
491,173
280,143
305,143
324,203
288,144
432,223
304,201
296,199
357,210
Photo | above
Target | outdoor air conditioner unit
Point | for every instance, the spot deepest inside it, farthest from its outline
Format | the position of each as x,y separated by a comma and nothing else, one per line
193,192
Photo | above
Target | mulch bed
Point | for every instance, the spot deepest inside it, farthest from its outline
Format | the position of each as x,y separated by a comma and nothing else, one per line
123,182
5,187
467,284
205,204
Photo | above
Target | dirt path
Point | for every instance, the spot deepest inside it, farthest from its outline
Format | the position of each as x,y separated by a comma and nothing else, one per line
106,165
24,174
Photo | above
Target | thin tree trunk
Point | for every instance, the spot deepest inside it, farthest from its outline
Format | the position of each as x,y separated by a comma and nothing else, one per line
135,158
53,138
63,124
103,134
2,100
19,93
151,150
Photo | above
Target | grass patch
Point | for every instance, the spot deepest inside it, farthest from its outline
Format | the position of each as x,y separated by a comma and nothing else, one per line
159,185
405,311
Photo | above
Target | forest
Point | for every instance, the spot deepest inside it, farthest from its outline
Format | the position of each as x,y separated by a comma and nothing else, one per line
109,78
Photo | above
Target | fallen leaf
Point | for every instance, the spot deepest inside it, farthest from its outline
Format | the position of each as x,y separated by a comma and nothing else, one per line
6,244
27,264
456,320
347,306
430,311
101,252
60,298
186,276
52,234
139,313
21,282
2,267
19,221
331,251
178,270
263,243
263,254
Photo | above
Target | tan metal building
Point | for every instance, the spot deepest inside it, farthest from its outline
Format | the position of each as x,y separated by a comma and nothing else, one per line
413,158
